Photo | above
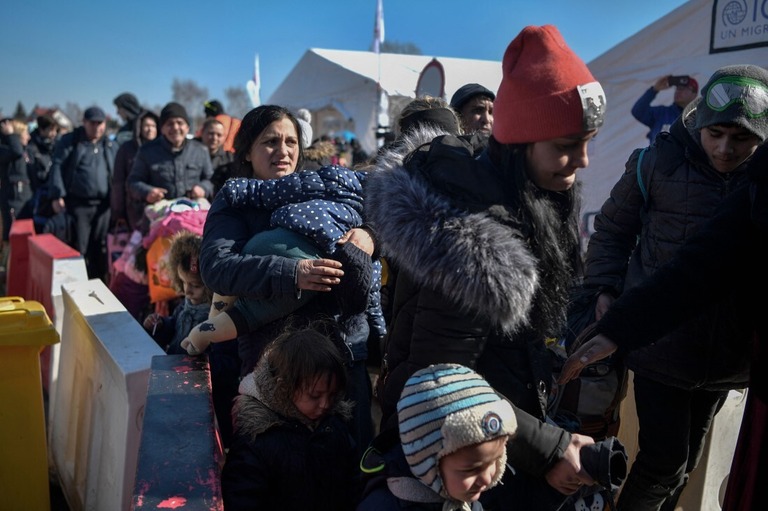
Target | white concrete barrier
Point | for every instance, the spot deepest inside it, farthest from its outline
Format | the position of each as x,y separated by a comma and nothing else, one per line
98,409
64,271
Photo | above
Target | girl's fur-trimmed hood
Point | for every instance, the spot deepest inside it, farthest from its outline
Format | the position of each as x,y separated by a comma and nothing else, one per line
473,257
260,407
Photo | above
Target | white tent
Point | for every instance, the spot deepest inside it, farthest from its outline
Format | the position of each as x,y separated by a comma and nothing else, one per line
695,39
347,81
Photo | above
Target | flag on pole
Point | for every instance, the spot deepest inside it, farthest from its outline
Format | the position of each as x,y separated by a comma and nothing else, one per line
254,86
378,27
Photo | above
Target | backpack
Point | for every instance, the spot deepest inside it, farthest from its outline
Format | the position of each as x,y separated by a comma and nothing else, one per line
646,161
61,225
589,405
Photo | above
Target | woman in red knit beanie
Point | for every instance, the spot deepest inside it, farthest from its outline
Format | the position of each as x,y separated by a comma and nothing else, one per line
486,246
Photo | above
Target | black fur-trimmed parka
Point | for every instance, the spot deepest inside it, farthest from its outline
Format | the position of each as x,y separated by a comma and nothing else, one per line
469,288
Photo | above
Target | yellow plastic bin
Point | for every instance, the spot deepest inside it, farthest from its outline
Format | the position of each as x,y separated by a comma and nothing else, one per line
25,330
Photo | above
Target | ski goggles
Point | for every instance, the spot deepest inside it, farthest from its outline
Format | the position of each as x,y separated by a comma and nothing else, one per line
726,91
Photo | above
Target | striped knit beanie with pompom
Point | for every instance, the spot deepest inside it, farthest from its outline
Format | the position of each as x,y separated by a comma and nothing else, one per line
443,408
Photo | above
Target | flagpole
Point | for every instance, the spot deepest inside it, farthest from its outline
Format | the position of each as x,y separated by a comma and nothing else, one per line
382,102
254,86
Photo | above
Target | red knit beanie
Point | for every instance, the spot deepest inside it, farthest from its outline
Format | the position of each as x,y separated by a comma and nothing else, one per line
546,90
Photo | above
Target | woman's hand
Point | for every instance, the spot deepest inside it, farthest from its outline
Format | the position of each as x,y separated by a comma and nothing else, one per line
361,238
597,348
318,274
568,474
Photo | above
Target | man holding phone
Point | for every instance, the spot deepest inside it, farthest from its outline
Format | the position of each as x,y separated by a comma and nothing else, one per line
660,117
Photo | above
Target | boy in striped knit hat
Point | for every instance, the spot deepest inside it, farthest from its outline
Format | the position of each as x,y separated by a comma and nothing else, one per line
453,430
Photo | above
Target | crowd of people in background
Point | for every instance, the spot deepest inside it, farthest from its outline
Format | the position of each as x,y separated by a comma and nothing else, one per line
444,265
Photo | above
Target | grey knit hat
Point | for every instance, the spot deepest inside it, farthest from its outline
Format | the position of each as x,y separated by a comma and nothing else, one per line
443,408
735,95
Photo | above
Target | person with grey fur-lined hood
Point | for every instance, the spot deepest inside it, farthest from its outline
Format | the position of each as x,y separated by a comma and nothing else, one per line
292,448
487,247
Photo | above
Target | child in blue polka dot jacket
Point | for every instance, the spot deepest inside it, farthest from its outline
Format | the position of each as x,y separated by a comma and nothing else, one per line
311,211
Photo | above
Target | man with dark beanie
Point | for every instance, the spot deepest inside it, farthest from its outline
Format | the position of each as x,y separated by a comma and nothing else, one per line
172,165
128,109
474,104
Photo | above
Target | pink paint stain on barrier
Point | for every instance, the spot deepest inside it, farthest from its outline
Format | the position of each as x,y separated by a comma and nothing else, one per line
211,479
183,369
144,487
172,503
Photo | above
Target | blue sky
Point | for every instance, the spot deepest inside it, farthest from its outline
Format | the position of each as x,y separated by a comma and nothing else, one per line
87,52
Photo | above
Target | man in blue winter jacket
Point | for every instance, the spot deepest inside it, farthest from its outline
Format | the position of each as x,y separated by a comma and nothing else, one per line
660,117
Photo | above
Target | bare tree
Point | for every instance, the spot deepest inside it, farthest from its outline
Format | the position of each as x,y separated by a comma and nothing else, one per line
189,94
74,112
238,103
21,112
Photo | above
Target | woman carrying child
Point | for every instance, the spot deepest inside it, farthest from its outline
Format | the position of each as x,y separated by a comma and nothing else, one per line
268,145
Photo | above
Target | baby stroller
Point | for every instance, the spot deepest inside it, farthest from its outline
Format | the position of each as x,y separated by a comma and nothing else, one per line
140,274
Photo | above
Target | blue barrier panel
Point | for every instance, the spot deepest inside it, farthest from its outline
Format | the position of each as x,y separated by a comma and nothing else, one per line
180,454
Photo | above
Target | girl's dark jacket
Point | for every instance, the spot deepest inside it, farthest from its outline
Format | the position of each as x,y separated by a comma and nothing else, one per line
279,459
464,286
635,236
177,326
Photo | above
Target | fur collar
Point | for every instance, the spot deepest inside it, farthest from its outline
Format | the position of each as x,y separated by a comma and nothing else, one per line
320,151
475,258
260,406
